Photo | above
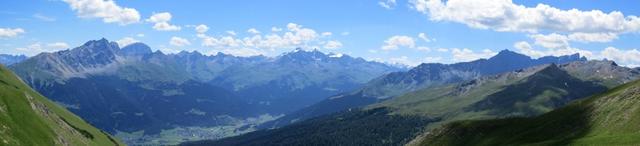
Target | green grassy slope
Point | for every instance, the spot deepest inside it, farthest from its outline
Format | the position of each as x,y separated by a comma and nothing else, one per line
610,118
522,93
28,118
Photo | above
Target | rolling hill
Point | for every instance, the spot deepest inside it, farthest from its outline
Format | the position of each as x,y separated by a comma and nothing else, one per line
610,118
28,118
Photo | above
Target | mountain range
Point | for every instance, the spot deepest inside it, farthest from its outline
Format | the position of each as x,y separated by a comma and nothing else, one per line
28,118
420,77
303,97
132,89
6,59
521,93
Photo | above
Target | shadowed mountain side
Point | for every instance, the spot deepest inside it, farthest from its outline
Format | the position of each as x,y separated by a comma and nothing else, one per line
150,106
355,127
605,119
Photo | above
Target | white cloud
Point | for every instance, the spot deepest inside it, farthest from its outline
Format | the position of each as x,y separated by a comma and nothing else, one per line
592,37
333,45
107,10
404,60
395,42
126,41
179,42
232,33
442,50
38,47
253,31
630,58
504,15
464,55
527,49
276,29
161,22
387,4
423,48
43,17
424,37
200,29
326,34
10,32
294,36
58,45
432,59
553,41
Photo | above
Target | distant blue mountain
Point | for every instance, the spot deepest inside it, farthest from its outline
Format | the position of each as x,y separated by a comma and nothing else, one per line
7,60
132,88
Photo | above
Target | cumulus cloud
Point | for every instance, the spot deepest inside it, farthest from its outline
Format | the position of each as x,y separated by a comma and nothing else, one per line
432,59
179,42
126,41
407,61
403,60
38,47
10,32
504,15
527,49
423,48
161,22
442,50
424,37
293,36
592,37
58,45
200,29
276,29
253,31
630,58
326,34
395,42
387,4
107,10
230,32
553,41
333,45
464,55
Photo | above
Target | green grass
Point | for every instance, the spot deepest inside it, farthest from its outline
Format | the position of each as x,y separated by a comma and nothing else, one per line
610,118
28,118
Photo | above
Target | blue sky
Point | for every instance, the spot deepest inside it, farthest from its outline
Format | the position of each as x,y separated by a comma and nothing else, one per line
387,30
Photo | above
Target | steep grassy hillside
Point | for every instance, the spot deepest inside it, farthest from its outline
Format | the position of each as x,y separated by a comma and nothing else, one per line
28,118
520,93
610,118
